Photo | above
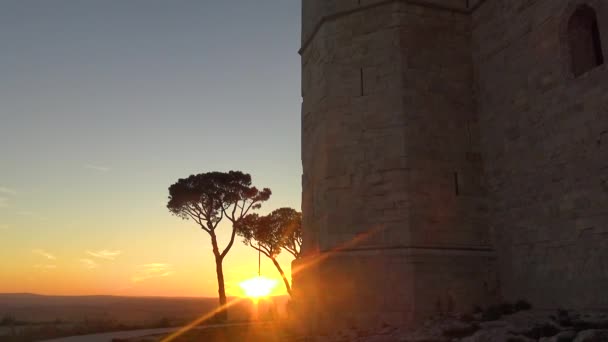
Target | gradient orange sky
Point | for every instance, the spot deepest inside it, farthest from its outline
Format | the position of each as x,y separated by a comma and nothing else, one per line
104,104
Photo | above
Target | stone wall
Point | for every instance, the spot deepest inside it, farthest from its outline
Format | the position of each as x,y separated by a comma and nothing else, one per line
545,150
352,131
435,133
393,197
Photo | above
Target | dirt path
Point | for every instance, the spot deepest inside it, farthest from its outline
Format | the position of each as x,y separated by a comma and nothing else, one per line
106,337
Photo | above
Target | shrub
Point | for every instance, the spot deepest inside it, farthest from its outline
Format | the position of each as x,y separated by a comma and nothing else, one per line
491,313
541,330
507,308
563,318
522,305
461,330
466,318
163,323
8,320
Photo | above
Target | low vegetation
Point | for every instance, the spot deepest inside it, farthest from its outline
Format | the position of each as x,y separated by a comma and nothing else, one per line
494,312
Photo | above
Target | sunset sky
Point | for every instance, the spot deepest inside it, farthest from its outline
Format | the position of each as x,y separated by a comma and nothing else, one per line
104,104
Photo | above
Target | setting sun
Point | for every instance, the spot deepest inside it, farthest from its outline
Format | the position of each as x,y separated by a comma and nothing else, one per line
258,287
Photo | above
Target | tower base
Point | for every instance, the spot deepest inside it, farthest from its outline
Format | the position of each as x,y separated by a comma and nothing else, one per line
368,289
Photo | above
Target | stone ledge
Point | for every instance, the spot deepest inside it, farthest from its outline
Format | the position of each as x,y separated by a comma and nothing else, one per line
421,3
436,250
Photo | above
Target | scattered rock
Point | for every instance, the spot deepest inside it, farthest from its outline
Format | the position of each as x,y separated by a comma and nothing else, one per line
532,324
563,318
347,335
494,325
564,336
492,313
428,334
386,330
522,326
362,333
496,335
522,305
592,335
421,336
379,338
539,330
466,317
457,329
590,321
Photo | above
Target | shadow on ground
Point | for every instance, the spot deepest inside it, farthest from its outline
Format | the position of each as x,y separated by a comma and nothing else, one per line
261,332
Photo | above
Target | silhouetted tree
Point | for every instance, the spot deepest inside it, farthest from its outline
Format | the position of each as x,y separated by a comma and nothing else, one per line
9,321
207,198
281,229
292,241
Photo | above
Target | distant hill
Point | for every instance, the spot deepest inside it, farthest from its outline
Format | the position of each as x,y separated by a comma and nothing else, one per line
128,310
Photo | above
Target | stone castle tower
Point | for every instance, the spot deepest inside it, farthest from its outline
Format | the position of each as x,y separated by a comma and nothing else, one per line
455,152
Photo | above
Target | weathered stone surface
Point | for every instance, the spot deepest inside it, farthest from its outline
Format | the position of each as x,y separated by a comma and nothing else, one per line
496,335
457,329
387,133
522,326
594,335
498,324
450,158
590,320
539,127
564,336
531,324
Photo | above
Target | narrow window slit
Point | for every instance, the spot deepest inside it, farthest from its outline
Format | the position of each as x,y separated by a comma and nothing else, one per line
597,44
361,80
456,185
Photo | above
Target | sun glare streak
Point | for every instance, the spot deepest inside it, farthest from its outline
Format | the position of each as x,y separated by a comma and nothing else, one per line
258,287
318,258
256,284
200,320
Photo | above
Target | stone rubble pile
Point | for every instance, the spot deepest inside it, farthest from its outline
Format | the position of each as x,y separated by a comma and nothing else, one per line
523,326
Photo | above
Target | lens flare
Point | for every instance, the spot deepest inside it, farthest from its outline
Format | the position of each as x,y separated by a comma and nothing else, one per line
258,287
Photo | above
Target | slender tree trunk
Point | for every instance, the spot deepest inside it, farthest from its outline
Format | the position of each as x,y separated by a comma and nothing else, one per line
287,286
222,313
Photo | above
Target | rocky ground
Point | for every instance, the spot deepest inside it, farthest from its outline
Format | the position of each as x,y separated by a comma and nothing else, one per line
256,332
501,323
496,326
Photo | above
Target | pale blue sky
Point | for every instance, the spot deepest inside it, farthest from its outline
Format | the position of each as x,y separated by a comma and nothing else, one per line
105,103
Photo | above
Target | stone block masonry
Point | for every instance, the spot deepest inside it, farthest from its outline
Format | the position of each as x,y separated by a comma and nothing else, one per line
450,159
540,127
